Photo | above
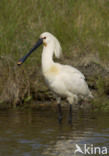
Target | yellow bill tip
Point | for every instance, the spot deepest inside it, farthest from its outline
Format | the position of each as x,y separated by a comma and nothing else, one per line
19,63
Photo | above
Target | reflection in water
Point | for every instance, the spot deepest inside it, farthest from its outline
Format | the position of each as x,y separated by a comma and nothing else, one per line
37,133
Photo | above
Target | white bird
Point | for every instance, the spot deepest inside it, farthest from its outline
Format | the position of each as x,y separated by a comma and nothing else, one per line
64,80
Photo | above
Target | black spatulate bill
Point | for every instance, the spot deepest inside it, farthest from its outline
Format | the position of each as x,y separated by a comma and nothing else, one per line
22,60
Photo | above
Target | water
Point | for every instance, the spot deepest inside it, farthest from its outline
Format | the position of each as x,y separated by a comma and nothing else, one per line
38,133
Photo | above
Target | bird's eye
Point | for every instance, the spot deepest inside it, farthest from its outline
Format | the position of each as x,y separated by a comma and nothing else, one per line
44,37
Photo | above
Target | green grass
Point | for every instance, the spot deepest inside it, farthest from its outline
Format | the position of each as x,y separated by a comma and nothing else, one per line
76,23
82,27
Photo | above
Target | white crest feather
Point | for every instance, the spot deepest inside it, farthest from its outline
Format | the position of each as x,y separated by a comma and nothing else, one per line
57,48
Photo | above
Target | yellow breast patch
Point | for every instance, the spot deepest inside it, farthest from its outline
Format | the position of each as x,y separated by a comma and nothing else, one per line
53,70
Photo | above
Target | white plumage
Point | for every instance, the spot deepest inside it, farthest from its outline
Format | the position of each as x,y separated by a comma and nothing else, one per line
64,80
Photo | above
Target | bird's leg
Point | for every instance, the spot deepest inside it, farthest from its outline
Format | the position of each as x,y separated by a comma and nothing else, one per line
59,110
70,100
60,113
70,114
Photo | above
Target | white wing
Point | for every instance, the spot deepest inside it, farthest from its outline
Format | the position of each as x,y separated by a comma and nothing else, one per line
74,80
73,70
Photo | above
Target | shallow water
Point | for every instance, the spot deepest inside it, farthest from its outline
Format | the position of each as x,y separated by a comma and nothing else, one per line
38,133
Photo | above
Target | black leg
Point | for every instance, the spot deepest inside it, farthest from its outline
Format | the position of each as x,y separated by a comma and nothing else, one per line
70,114
59,113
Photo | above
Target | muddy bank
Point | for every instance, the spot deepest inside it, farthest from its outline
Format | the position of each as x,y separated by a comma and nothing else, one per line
24,86
82,29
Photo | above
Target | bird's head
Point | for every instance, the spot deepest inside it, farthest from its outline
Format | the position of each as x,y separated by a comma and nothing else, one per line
46,39
49,39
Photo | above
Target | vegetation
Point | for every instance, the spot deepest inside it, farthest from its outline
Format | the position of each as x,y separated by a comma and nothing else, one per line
81,27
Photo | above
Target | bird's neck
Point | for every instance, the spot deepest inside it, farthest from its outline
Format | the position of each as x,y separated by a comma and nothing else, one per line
47,57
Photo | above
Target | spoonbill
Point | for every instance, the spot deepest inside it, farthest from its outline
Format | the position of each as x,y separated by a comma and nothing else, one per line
64,80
